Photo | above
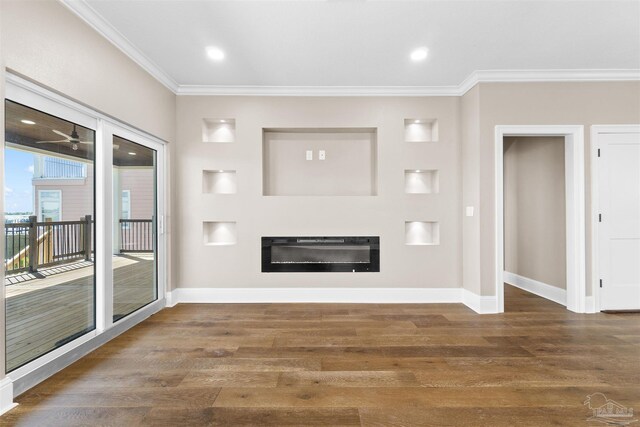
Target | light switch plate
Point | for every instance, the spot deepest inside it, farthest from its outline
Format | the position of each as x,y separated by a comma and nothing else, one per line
309,154
322,155
469,210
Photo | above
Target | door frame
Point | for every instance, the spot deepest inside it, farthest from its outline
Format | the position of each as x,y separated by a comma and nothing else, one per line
596,131
575,207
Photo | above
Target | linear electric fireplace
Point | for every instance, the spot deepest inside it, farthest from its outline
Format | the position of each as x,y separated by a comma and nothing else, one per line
320,254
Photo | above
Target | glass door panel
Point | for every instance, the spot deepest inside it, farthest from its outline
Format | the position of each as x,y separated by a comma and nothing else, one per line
49,232
134,226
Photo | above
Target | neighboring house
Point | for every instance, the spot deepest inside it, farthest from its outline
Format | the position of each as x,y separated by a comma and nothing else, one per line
63,190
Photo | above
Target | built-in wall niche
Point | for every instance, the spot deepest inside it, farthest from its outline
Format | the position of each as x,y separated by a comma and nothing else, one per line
319,162
219,182
218,130
219,233
420,130
422,233
420,181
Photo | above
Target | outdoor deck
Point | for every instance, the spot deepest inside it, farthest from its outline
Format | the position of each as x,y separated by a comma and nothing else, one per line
57,305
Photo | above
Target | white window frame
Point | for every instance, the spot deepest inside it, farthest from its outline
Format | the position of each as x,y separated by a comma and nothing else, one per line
40,216
122,193
34,96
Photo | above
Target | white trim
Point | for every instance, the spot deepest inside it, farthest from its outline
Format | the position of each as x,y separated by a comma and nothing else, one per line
596,131
316,295
480,76
332,295
541,289
214,90
85,12
478,303
575,208
590,305
6,395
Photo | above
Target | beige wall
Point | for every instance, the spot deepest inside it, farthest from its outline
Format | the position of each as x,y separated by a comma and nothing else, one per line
470,188
534,209
45,42
543,104
257,215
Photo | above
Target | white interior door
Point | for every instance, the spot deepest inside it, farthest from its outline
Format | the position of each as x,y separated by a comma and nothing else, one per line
619,224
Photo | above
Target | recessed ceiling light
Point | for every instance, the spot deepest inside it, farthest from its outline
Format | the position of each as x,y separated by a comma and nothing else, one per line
416,121
28,122
131,153
419,54
215,53
223,121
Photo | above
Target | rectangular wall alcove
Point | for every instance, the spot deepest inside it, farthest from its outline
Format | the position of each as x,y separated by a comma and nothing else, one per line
219,182
319,162
219,233
218,130
420,130
422,233
420,181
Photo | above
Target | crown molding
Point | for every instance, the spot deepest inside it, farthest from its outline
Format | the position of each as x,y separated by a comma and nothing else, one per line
317,90
480,76
85,12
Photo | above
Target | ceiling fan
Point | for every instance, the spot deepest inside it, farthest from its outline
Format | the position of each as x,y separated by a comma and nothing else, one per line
73,139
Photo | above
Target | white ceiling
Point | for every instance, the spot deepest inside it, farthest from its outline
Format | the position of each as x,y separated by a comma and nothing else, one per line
367,43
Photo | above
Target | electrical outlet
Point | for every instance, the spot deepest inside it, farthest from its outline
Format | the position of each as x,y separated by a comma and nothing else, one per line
309,154
322,155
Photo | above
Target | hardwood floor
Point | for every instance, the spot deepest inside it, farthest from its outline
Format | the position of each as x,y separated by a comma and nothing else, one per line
43,313
348,365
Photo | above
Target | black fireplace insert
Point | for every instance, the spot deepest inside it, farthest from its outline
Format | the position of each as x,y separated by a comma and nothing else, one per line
321,254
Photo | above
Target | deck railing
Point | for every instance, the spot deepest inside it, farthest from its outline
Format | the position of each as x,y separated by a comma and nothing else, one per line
136,235
33,244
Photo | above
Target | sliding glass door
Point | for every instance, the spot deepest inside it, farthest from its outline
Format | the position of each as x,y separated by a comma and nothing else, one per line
134,226
83,240
48,232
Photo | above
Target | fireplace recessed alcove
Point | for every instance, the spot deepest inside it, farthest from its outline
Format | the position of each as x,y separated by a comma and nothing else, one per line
321,254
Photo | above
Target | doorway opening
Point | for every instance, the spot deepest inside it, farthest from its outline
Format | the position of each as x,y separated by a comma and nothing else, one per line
544,225
535,217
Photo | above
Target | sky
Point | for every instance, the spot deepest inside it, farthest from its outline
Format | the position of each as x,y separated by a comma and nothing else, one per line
18,173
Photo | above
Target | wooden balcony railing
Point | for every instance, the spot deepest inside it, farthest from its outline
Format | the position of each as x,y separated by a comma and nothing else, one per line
32,245
136,235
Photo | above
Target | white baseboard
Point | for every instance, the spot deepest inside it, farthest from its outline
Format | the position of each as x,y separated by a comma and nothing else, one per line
316,295
590,305
170,299
333,295
538,288
480,304
6,395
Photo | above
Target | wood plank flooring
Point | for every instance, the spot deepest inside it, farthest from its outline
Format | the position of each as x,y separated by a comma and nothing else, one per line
348,365
42,313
